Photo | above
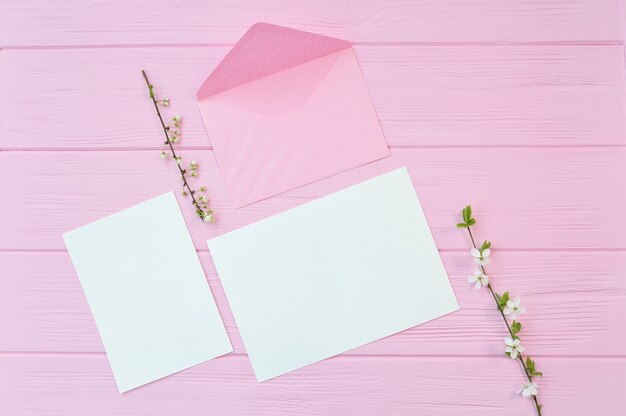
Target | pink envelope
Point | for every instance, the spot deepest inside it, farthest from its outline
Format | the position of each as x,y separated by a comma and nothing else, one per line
286,108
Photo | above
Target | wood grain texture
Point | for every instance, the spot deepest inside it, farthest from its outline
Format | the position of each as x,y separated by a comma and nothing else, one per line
424,96
552,198
42,298
514,106
77,384
36,23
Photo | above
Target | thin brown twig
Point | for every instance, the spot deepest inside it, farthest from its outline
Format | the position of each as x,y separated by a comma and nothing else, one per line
508,326
168,141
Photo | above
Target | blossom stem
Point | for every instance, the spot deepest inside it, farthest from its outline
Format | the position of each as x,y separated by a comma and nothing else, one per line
169,142
508,326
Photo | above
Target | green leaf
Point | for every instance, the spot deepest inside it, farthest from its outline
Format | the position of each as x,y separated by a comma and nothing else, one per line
530,364
516,327
538,374
467,213
486,244
151,88
468,221
498,298
504,299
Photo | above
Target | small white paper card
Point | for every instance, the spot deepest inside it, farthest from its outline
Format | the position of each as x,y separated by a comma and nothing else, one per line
333,274
147,291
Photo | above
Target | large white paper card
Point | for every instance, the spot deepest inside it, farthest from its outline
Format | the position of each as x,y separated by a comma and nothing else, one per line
147,291
333,274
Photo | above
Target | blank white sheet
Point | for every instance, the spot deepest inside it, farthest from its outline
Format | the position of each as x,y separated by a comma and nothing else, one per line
333,274
147,291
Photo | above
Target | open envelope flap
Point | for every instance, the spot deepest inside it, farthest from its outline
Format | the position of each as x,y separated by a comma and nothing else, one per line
281,93
264,50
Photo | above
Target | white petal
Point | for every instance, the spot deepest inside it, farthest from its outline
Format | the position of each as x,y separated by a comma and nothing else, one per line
521,389
508,349
514,354
475,252
477,285
508,341
525,392
507,310
515,342
521,310
477,272
510,304
486,252
485,261
513,315
471,279
516,301
521,348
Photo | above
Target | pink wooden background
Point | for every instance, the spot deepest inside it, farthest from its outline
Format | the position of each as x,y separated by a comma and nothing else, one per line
514,106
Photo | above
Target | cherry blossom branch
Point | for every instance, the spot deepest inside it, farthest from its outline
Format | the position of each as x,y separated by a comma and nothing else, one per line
506,306
200,203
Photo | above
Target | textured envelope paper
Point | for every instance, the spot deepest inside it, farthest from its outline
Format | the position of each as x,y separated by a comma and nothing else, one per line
147,291
286,108
333,274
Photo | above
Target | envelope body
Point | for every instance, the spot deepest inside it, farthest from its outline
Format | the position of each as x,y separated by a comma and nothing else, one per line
286,108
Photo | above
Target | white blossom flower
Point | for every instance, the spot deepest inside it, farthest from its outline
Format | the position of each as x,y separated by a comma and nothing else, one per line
163,154
528,389
179,159
481,258
513,347
193,164
479,279
175,139
194,173
514,308
208,217
166,102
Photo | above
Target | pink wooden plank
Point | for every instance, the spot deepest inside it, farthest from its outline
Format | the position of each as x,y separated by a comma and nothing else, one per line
68,385
521,95
524,198
34,23
44,309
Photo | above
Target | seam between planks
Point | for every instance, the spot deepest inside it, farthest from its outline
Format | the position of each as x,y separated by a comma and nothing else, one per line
378,44
239,355
440,250
426,146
